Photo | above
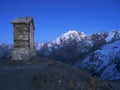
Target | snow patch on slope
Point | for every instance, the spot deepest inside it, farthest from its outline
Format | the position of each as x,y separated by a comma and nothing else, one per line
110,73
113,35
100,61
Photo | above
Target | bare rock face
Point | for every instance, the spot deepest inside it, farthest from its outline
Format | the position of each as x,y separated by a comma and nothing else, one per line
23,38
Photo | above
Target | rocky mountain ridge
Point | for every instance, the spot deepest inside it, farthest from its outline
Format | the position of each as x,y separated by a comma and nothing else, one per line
97,53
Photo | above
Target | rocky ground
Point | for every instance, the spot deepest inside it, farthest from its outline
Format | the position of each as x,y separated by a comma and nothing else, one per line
42,74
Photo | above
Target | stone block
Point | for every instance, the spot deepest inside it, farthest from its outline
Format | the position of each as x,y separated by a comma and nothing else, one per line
22,54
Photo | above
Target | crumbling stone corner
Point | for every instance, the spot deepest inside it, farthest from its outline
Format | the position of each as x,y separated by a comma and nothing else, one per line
23,38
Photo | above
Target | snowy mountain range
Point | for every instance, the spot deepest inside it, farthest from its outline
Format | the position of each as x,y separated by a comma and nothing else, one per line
98,54
5,50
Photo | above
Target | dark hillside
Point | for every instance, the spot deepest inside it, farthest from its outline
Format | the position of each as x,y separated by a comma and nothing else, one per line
46,75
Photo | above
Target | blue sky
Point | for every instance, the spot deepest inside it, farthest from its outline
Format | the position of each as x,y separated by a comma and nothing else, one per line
55,17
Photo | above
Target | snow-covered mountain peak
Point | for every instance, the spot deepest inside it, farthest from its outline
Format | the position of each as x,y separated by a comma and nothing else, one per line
70,32
73,33
113,35
68,36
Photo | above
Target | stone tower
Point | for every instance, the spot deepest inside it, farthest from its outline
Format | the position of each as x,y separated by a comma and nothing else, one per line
23,38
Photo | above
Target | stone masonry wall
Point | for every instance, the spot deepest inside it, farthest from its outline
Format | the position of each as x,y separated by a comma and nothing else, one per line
23,38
